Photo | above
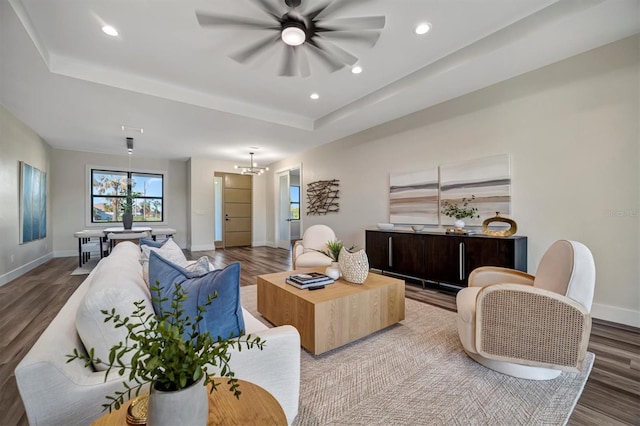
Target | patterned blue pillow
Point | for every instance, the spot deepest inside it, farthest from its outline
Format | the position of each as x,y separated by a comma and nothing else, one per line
223,318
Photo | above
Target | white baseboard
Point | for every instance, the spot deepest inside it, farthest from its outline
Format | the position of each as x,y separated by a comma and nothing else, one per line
615,314
65,253
21,270
203,247
260,243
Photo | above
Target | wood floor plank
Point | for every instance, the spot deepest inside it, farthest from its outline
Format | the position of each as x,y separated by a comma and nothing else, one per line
27,305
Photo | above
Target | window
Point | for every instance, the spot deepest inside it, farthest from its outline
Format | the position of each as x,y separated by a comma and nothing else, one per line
294,199
108,189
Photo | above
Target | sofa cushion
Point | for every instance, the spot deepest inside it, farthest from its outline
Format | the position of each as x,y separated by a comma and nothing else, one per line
169,250
223,318
115,284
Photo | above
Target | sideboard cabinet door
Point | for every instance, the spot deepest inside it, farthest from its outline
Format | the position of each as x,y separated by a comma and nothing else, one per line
377,249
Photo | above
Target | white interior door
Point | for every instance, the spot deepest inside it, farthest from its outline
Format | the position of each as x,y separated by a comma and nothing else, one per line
284,211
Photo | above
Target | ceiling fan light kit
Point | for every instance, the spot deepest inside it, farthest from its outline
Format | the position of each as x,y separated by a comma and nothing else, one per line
302,32
293,34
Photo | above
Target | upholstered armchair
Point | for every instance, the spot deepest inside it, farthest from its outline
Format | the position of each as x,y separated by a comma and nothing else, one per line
530,327
314,238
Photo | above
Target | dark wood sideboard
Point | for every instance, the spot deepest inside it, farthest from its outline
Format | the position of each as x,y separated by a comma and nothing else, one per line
442,258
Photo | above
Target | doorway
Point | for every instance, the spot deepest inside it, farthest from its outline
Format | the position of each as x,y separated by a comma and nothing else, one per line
289,207
233,225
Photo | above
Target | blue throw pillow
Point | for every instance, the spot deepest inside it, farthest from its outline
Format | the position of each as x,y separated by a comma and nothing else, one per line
223,318
151,243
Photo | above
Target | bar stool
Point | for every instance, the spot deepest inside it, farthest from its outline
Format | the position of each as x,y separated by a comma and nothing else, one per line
167,232
90,241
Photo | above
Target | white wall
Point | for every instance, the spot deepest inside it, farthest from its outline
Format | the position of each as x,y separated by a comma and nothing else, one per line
69,193
19,143
572,131
201,203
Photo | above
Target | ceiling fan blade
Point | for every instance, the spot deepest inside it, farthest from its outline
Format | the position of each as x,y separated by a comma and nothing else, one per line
270,9
336,5
311,15
336,51
354,24
246,54
369,38
206,20
289,65
329,62
303,63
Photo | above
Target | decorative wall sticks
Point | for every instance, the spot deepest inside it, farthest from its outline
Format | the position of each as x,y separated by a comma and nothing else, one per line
322,197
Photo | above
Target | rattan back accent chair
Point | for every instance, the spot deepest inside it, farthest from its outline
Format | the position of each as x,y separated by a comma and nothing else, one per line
531,327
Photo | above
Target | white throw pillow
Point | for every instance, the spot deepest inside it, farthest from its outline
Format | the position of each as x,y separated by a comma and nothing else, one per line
169,250
117,284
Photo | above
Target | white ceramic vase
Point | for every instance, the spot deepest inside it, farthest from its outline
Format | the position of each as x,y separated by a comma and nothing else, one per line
333,271
354,266
188,406
459,224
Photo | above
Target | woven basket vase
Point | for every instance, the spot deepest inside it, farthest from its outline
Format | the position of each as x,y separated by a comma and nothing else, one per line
354,266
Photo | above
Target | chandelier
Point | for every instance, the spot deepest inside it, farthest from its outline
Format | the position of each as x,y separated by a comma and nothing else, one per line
252,168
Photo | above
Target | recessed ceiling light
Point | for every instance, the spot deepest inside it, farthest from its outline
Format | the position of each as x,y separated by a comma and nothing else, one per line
109,30
356,70
314,96
423,28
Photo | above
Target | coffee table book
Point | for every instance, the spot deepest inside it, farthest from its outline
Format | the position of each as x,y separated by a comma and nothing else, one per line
324,281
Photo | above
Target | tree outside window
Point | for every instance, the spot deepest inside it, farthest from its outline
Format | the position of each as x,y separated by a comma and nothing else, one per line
294,198
109,188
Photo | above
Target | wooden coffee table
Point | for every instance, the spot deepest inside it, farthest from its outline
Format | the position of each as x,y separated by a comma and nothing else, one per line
256,406
335,315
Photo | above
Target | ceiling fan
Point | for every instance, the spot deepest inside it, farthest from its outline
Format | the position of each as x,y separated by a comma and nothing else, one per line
302,31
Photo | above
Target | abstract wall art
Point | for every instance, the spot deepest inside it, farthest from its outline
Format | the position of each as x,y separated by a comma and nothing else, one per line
413,197
33,203
322,197
488,179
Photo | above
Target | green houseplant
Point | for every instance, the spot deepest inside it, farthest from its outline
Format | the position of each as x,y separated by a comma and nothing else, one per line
460,211
162,356
333,249
127,204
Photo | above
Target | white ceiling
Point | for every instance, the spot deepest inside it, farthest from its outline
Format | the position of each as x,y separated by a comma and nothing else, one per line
165,73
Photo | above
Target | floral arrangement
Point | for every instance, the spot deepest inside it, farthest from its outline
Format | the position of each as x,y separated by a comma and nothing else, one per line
460,212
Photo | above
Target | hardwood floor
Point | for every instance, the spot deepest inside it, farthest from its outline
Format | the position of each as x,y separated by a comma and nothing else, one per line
27,305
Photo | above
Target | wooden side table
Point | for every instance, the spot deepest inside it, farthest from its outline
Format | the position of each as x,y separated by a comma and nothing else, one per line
256,406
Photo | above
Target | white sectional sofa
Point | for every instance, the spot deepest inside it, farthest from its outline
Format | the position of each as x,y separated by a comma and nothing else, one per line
55,392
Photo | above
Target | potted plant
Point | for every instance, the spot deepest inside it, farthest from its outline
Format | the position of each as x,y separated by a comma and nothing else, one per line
167,351
460,212
127,208
333,252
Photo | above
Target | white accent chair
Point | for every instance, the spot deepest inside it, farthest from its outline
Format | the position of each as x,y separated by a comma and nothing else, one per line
314,238
530,327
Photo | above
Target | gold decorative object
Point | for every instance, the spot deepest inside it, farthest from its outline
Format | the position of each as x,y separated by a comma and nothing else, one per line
513,226
322,197
137,412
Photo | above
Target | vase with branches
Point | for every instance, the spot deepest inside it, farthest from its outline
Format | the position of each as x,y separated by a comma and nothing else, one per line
460,211
167,351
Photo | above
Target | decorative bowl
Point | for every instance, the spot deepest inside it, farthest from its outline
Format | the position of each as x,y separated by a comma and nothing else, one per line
417,228
385,226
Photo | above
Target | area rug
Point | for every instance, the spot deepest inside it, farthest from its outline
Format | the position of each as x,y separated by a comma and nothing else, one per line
87,267
416,373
